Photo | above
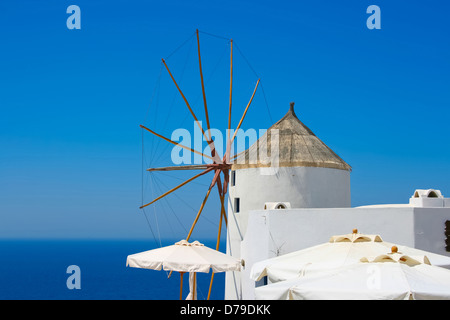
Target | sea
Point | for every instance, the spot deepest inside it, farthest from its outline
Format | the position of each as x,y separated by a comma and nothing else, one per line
56,269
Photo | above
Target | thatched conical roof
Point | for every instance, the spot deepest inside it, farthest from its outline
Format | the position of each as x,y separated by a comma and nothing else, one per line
298,147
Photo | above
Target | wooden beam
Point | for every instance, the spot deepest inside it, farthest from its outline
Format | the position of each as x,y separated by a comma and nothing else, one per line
222,166
231,90
217,159
188,167
245,111
202,205
222,215
185,100
181,285
176,143
177,187
203,87
227,156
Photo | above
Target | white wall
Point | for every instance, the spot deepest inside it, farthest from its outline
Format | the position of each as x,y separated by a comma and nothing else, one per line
276,232
303,187
429,229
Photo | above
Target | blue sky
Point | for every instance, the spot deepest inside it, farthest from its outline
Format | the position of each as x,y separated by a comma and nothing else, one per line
71,101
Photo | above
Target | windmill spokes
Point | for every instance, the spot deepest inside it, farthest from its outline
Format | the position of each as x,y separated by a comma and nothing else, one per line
221,166
203,87
177,187
203,203
185,100
176,143
227,155
188,167
231,87
220,163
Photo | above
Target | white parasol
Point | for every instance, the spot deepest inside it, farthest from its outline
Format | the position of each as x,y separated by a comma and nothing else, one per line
184,257
341,250
389,277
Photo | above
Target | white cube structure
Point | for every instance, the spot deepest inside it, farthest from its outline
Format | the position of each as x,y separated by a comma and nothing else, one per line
430,198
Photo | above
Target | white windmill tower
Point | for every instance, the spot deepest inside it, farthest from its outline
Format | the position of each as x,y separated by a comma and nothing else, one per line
301,172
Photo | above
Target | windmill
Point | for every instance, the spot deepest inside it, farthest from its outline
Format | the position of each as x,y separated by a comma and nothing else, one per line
221,164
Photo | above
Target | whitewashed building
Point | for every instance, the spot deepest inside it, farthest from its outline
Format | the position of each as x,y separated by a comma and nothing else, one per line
305,198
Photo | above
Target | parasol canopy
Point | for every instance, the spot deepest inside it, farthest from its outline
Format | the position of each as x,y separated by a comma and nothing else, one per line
341,250
392,276
183,257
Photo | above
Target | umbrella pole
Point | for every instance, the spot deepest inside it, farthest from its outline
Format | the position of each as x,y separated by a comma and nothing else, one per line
195,293
181,285
222,214
210,284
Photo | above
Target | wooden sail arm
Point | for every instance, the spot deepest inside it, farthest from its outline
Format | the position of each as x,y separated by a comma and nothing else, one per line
173,168
176,143
203,204
192,167
222,215
230,160
203,87
177,187
245,112
227,155
185,100
234,157
210,142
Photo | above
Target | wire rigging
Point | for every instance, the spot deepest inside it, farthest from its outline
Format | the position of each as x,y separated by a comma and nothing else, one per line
142,185
156,182
180,46
256,74
187,204
169,112
208,79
